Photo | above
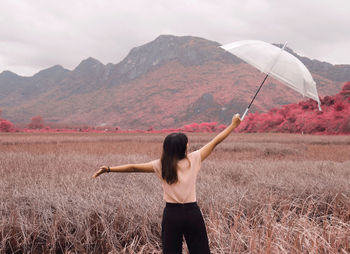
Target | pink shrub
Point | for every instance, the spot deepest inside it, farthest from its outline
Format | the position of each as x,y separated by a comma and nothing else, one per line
305,117
193,127
6,126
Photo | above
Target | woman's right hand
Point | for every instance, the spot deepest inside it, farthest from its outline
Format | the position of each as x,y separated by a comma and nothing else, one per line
236,120
102,170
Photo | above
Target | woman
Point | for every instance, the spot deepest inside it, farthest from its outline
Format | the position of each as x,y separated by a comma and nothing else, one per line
178,172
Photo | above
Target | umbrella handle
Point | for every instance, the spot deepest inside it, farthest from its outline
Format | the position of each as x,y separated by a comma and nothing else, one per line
244,114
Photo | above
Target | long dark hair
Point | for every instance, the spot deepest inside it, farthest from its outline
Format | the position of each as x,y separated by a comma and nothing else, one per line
174,149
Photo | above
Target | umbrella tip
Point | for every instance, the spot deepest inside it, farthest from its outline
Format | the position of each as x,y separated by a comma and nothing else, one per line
285,44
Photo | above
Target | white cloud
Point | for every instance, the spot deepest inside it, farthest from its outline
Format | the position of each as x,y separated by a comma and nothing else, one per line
40,33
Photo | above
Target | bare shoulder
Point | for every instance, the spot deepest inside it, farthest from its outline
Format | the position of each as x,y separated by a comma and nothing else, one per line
195,155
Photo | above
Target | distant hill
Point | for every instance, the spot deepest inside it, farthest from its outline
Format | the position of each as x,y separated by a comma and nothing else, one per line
168,82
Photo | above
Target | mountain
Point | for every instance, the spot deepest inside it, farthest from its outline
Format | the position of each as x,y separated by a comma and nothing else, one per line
55,73
340,72
168,82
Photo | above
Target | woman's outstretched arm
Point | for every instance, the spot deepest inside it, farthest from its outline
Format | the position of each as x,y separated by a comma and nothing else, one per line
206,150
143,167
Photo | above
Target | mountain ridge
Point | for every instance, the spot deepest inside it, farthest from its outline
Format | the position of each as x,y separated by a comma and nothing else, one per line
167,79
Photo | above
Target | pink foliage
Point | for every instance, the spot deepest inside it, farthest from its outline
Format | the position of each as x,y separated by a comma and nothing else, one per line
6,126
305,117
202,127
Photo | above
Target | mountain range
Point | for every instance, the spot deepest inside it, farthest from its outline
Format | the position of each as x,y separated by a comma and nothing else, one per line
167,82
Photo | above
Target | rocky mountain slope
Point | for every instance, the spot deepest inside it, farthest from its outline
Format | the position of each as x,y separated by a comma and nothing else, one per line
165,83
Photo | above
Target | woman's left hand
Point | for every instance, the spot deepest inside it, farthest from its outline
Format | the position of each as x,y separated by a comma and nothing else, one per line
102,170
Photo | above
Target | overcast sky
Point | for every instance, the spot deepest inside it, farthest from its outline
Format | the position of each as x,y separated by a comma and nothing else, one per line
37,34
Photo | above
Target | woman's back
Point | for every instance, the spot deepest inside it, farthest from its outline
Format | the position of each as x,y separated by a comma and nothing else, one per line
184,190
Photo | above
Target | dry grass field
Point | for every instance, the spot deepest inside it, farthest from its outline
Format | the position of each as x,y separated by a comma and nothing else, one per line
259,193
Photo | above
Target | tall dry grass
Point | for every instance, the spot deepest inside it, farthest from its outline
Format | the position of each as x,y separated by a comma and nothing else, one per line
259,193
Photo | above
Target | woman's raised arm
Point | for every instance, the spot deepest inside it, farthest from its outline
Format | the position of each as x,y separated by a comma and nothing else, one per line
206,150
127,168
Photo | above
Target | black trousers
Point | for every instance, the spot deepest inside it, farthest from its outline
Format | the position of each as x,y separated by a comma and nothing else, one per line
184,220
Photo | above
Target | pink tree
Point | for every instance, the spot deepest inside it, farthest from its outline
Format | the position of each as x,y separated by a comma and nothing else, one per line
6,126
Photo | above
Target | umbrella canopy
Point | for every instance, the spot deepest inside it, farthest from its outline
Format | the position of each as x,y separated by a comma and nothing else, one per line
277,63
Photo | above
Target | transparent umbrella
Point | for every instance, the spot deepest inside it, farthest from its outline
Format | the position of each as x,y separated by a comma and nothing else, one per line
277,63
